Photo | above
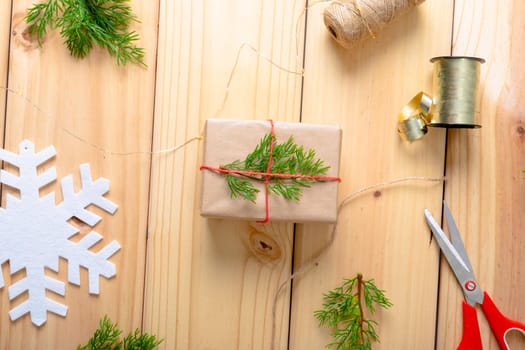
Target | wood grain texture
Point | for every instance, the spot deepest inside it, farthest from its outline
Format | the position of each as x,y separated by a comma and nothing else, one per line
5,35
211,283
80,107
382,233
486,189
5,22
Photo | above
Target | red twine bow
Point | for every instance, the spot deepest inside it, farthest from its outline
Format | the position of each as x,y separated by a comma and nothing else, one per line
268,174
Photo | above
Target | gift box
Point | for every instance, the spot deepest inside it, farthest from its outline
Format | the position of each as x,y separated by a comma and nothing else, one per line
227,141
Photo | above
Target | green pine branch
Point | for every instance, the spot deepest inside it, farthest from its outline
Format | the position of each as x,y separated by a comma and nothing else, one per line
83,23
287,158
108,337
343,311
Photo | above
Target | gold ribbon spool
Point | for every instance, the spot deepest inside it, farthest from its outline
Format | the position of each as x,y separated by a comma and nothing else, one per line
455,88
455,102
414,117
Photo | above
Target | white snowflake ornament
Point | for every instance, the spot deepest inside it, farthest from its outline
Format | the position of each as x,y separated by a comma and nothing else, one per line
35,232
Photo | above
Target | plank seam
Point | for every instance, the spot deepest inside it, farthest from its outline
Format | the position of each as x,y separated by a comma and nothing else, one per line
303,66
7,78
436,328
156,53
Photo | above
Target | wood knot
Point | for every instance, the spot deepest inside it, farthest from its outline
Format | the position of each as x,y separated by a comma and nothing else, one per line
264,247
519,132
21,36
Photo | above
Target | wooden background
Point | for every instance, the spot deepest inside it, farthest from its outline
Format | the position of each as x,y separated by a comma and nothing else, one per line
211,284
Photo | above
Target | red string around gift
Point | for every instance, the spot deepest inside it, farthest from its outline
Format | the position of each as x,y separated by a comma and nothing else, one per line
268,174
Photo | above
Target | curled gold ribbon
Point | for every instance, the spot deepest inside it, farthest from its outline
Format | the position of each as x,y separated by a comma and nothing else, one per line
455,101
414,117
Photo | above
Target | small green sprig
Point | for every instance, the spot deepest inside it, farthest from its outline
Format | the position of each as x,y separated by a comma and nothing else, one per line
343,312
107,337
287,158
84,22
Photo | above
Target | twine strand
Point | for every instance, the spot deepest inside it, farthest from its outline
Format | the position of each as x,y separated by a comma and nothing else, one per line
99,148
175,148
298,22
166,151
233,71
313,261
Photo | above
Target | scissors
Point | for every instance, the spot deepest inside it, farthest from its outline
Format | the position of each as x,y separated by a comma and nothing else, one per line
457,258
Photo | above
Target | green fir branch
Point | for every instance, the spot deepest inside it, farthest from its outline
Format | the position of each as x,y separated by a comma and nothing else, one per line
287,158
140,341
107,337
84,23
241,188
343,311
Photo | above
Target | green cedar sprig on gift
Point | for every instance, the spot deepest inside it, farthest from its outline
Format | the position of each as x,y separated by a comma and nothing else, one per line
343,312
85,22
287,158
108,337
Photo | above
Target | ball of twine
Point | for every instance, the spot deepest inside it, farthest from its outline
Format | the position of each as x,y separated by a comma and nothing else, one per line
349,21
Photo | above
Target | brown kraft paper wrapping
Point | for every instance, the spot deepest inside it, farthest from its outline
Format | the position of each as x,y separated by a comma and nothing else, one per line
229,140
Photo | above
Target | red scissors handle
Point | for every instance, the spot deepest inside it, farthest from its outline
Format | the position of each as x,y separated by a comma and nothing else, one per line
499,324
471,339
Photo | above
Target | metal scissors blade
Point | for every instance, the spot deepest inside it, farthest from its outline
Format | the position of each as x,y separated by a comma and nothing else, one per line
461,268
452,255
455,238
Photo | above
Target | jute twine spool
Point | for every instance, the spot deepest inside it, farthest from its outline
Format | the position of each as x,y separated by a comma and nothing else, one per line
349,21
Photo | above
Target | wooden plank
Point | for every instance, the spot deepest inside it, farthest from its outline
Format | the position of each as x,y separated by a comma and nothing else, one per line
486,189
381,233
79,107
211,283
5,34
